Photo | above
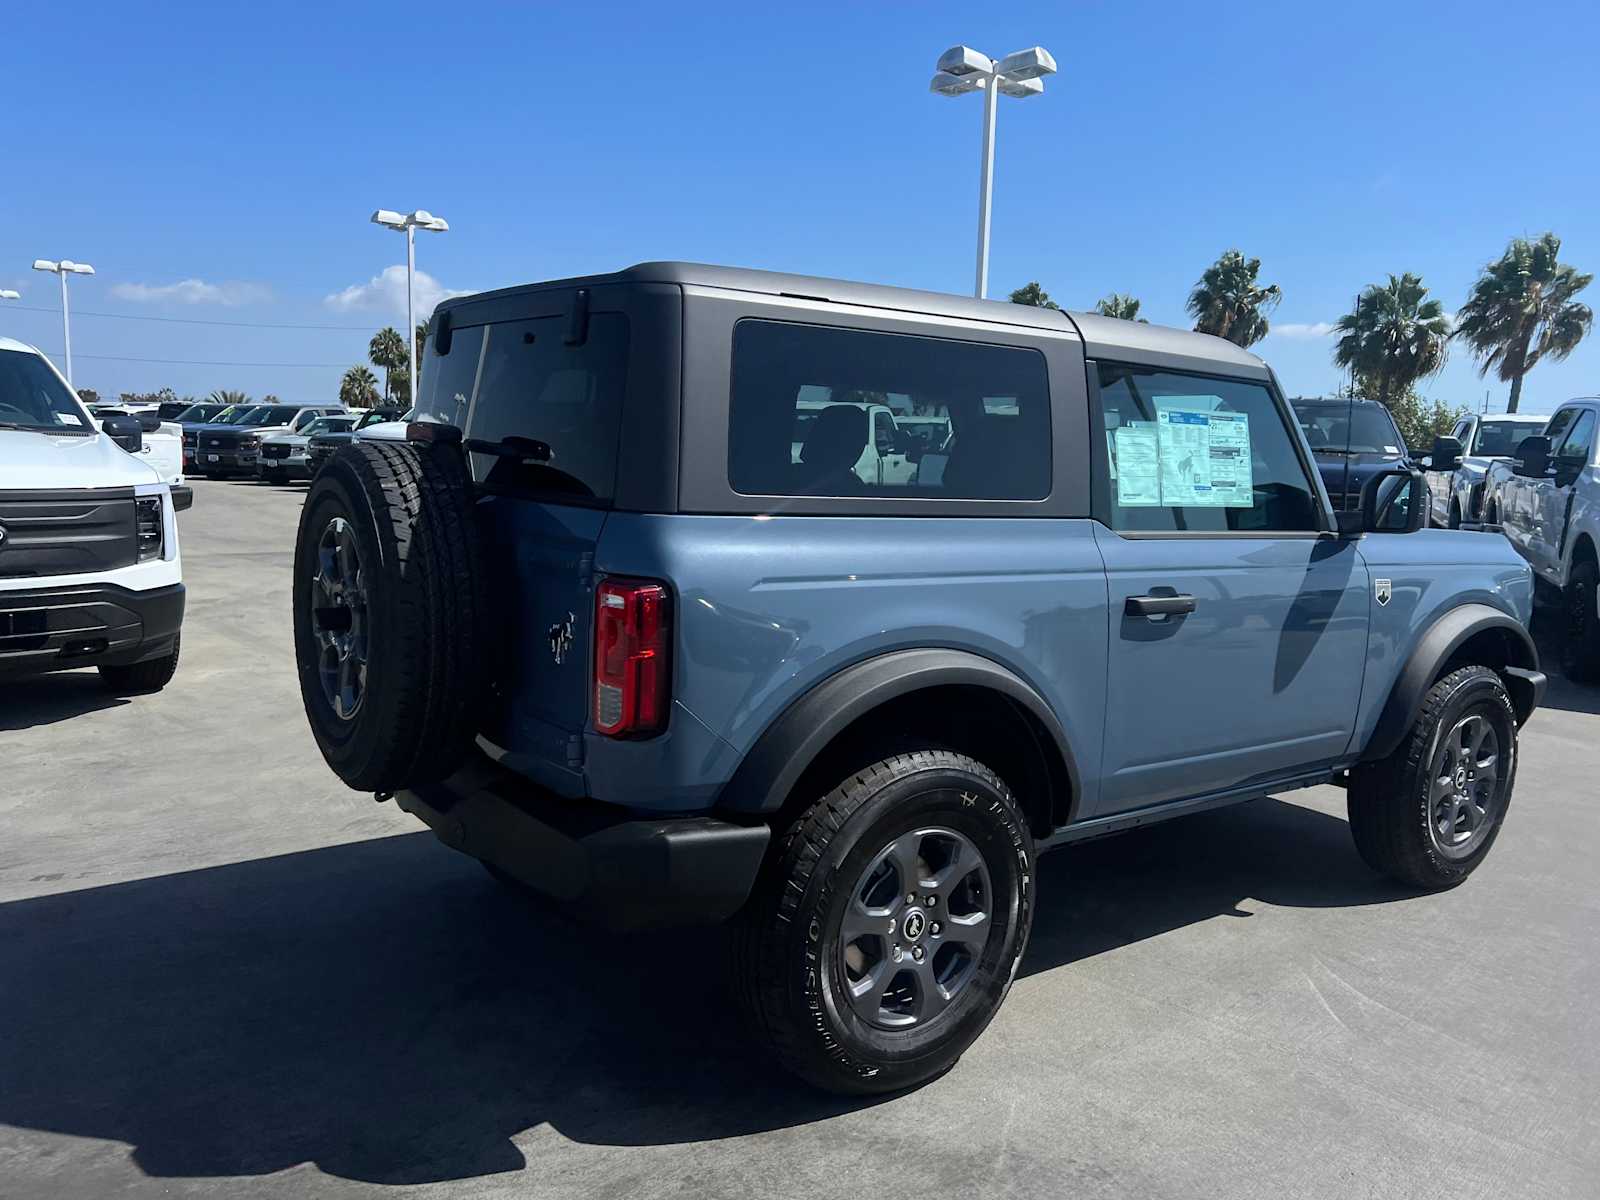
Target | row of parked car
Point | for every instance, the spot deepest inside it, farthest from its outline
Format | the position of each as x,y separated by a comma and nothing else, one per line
274,442
1530,477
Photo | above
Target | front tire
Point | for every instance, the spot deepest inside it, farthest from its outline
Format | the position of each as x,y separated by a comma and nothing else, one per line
1580,643
1428,814
885,933
149,676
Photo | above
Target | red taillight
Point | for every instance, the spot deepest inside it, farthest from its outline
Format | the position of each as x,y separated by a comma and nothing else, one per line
632,660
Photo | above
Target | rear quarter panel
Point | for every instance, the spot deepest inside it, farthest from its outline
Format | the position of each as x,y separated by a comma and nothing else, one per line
770,606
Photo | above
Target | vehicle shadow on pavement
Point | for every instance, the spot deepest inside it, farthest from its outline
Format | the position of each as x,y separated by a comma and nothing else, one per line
46,699
385,1011
1560,692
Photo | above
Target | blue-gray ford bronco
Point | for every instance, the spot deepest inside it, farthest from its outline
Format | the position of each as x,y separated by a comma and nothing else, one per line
662,612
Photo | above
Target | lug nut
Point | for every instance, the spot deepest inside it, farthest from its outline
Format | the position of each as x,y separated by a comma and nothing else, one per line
891,926
917,953
895,952
935,929
931,901
911,897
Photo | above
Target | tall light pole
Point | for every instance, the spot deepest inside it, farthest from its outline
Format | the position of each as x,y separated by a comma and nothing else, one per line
410,223
962,69
64,268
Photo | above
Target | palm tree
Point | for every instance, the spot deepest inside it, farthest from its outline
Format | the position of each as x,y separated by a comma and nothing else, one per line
1228,302
358,388
422,339
1032,293
1521,310
1395,337
228,396
1123,307
387,350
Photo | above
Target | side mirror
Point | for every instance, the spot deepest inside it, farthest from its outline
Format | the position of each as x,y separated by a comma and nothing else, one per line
1394,501
1446,454
1533,458
125,432
1568,469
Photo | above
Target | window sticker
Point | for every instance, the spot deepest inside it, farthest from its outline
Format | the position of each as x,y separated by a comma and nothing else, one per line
1135,461
67,418
1204,458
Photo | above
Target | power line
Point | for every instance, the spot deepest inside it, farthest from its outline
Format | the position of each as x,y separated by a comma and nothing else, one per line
195,362
78,312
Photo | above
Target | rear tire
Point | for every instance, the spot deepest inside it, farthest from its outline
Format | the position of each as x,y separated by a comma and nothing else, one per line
149,676
1580,643
1407,812
814,949
389,614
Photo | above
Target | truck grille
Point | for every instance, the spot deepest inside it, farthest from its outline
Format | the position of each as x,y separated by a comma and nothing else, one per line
271,450
66,532
220,441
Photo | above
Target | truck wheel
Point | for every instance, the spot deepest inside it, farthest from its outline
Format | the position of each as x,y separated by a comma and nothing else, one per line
1580,647
886,931
389,613
1428,813
149,676
1455,515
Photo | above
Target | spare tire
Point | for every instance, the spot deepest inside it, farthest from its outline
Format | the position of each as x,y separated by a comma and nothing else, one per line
389,613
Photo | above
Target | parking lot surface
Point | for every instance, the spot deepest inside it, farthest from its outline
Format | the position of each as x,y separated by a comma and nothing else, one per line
222,972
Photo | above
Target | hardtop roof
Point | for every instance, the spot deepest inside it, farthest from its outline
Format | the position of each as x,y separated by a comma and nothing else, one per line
1108,337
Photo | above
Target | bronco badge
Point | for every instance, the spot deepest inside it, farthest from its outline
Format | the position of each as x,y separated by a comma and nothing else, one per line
1382,590
561,639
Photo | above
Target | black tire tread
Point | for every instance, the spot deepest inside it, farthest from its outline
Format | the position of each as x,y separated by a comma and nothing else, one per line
149,676
1580,645
758,933
1380,813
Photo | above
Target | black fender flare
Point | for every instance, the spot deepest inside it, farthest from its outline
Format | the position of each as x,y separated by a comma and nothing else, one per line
1443,638
803,730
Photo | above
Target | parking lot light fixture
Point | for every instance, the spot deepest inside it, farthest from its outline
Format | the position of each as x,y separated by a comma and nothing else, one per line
960,70
63,268
409,223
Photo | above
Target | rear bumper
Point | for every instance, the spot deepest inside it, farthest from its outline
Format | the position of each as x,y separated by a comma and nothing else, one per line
88,625
609,866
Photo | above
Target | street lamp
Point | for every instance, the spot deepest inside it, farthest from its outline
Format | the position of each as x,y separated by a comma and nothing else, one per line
64,268
961,69
8,294
410,223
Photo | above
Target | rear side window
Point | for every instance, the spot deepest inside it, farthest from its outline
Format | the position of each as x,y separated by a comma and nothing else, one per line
820,411
1199,454
552,410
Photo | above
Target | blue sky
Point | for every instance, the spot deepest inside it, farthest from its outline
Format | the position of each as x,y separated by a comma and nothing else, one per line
219,163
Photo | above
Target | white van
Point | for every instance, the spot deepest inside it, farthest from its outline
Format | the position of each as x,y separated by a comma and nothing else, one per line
89,568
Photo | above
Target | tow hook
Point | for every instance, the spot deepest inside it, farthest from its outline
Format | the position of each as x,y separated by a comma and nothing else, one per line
380,797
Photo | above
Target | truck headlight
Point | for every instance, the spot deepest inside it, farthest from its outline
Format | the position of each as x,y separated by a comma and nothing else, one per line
147,525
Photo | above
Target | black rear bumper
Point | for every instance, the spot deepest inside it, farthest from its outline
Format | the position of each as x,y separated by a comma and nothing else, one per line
614,867
89,625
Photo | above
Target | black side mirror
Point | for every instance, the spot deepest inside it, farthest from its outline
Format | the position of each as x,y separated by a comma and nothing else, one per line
125,432
1394,501
1533,458
1568,469
1445,455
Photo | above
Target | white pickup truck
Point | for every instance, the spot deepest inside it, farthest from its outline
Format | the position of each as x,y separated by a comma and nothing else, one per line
1547,501
89,569
1457,496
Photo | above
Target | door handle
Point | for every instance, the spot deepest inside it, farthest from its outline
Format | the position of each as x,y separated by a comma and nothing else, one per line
1158,606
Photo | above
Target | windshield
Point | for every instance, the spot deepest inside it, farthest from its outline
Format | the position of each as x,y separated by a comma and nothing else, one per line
328,425
201,412
268,414
32,396
1497,438
1358,428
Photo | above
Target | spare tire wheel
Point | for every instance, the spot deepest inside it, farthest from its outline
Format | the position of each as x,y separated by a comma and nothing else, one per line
389,613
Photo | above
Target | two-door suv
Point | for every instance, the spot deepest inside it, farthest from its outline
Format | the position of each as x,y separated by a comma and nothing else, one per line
626,619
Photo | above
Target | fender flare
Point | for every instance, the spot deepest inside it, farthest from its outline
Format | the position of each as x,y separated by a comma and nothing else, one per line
1433,650
803,730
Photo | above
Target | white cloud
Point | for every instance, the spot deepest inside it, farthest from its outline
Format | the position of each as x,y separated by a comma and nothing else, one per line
194,291
1317,329
388,291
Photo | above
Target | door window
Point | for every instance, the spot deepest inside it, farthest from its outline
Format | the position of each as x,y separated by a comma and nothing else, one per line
1578,445
1559,424
1191,453
801,394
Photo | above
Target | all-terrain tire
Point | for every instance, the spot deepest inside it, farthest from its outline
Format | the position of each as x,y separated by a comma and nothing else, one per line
1393,805
149,676
1455,515
789,955
1580,642
423,614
